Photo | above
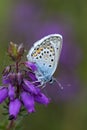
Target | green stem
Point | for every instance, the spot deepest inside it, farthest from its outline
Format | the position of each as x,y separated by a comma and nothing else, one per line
17,68
10,125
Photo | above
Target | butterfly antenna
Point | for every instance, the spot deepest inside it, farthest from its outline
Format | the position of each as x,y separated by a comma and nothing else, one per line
59,83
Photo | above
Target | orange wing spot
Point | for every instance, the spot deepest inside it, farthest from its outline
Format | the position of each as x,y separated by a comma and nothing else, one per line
37,52
51,49
41,49
48,47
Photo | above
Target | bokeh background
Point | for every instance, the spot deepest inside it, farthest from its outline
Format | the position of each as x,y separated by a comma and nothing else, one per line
26,21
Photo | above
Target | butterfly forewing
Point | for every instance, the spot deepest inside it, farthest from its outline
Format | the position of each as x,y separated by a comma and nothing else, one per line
45,54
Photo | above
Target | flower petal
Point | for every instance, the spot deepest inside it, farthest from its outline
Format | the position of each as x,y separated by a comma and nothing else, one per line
14,108
11,92
32,76
30,87
42,99
31,65
5,79
28,101
19,78
3,94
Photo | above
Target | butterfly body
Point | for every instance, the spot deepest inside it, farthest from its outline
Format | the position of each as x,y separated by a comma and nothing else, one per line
45,54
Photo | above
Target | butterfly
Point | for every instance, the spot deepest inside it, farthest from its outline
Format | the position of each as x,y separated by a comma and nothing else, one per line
45,54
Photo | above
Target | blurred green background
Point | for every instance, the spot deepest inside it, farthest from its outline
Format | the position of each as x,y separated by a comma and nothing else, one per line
62,114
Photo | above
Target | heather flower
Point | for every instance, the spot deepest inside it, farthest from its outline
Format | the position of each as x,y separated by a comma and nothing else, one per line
42,99
14,108
28,101
19,84
30,65
11,92
30,87
3,94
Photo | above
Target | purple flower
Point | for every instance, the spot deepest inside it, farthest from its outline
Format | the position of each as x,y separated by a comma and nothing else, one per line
19,77
3,94
31,88
22,88
9,79
31,65
5,79
28,101
32,76
14,108
11,92
42,99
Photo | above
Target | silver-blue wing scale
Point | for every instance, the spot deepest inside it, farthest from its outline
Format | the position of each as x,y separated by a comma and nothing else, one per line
45,54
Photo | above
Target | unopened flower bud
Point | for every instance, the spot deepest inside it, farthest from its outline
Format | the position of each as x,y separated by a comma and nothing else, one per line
15,51
20,49
6,70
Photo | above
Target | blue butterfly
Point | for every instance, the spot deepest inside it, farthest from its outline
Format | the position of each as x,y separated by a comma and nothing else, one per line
45,54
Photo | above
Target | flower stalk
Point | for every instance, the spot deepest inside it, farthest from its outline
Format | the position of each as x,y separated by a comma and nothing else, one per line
19,85
11,125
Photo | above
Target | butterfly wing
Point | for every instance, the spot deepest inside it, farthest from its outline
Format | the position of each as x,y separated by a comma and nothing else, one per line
45,54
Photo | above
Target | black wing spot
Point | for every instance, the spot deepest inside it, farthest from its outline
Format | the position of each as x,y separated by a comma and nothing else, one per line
49,65
44,51
51,59
51,47
40,56
37,48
